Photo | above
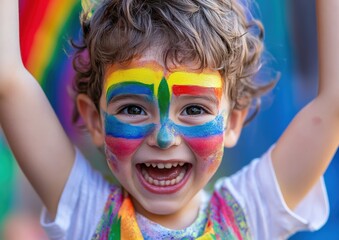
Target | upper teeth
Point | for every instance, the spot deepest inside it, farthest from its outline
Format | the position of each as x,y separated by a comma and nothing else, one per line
164,165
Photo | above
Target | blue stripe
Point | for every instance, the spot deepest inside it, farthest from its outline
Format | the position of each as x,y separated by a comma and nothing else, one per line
212,128
130,88
118,129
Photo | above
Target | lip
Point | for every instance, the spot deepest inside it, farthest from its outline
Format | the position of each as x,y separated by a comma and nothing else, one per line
164,189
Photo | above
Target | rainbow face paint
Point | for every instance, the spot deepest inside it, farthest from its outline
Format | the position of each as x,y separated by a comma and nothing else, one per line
159,88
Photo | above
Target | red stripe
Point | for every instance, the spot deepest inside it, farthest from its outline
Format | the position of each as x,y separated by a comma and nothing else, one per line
195,90
206,147
122,148
31,16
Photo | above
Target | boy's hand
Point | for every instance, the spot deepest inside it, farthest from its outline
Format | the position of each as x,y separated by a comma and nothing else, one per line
31,127
306,148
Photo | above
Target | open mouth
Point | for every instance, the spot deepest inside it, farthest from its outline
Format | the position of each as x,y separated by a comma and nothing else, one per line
160,176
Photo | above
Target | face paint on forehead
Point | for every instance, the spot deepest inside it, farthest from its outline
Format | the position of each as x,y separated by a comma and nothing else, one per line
177,82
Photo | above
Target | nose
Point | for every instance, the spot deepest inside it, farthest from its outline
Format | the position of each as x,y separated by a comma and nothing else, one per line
164,136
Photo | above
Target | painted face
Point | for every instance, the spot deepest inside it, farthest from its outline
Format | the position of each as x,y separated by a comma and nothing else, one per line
164,131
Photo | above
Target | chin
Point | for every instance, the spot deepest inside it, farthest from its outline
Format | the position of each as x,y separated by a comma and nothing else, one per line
159,207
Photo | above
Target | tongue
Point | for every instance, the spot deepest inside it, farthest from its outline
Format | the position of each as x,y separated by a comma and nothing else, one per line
163,174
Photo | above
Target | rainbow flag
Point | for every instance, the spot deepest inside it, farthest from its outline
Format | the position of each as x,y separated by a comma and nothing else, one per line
46,26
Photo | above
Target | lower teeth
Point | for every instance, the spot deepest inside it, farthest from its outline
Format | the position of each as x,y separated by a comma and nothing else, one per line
156,182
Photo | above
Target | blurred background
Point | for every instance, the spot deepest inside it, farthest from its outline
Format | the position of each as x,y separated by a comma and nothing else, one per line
291,51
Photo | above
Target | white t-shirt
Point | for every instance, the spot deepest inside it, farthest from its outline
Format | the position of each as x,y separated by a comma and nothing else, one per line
254,187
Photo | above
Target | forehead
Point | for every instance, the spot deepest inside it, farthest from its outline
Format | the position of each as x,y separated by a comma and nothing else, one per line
151,73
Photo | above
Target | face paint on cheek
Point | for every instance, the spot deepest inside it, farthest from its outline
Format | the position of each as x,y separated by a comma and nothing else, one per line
206,141
206,147
209,149
119,150
122,147
123,139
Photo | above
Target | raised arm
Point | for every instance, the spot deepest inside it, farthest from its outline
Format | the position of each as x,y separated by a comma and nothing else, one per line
306,148
31,127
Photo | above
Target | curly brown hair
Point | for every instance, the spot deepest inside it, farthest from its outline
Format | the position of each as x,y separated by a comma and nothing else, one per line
215,33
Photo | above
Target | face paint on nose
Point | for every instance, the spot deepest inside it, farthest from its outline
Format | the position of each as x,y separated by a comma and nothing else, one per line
166,132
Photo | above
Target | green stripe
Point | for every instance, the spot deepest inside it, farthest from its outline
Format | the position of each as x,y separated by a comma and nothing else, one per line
163,100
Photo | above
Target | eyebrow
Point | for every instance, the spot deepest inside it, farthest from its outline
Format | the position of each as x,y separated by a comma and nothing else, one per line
129,88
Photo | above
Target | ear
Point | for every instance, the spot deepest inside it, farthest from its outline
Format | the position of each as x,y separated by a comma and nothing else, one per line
92,118
235,123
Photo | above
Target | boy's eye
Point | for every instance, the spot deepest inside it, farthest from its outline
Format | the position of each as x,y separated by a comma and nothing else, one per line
132,110
193,110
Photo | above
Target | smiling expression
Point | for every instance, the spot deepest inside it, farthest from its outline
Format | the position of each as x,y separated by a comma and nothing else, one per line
174,121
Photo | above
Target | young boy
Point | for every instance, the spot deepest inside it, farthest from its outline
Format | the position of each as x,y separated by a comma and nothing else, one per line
163,87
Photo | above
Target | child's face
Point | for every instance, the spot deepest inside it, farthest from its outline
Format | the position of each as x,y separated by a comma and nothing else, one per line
164,131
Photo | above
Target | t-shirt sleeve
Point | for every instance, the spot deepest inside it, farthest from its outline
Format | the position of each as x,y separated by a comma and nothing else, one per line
256,189
81,204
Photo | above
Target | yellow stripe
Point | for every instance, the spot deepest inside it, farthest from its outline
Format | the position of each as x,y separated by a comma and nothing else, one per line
45,39
194,79
142,75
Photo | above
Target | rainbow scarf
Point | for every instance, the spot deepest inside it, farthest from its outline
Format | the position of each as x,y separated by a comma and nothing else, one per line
226,219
